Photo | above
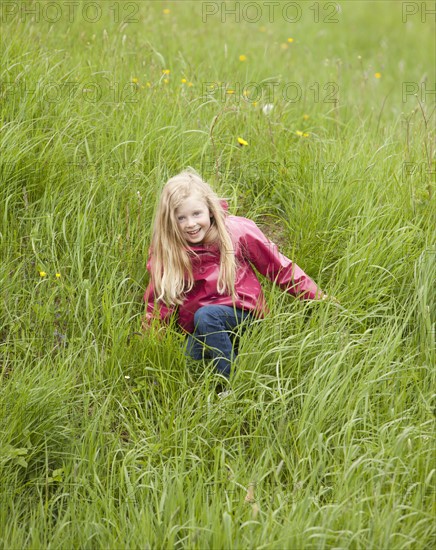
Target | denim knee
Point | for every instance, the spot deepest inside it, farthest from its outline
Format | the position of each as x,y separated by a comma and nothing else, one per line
208,318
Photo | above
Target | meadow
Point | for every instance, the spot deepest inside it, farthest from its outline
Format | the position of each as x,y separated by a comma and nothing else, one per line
314,119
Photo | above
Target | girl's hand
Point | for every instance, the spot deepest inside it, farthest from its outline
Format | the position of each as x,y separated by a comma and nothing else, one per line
158,333
329,298
145,324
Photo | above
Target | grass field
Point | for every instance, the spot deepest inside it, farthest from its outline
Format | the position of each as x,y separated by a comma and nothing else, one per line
109,440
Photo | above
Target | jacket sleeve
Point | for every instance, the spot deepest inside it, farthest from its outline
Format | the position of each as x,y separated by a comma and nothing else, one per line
267,259
155,309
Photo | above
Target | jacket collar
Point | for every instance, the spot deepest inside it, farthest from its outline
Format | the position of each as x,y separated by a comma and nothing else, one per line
225,205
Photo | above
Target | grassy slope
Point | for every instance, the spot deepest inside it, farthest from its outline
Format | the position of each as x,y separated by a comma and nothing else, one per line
114,443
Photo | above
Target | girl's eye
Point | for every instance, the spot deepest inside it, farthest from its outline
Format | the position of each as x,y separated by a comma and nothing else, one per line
181,218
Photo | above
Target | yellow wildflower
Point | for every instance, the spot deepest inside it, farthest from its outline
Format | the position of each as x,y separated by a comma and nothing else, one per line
135,80
305,117
306,134
148,85
242,141
299,133
242,58
290,40
42,274
165,71
166,11
184,80
58,275
377,75
166,80
230,92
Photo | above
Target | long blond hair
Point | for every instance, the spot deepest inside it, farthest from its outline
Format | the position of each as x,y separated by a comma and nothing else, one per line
171,269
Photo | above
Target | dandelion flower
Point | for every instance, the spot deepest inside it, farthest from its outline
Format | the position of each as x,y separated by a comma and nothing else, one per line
299,133
377,75
290,40
242,58
242,141
166,11
246,93
305,117
230,92
165,71
148,85
184,81
254,103
306,134
135,80
42,274
58,275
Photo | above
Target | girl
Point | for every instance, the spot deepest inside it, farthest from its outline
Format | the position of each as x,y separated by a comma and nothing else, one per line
201,262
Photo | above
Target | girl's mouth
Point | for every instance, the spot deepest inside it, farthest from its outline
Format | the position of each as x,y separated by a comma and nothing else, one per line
192,233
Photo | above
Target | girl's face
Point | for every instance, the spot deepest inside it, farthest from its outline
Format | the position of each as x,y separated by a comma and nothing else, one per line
194,220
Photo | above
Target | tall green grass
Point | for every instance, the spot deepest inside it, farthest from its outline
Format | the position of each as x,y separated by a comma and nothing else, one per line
109,440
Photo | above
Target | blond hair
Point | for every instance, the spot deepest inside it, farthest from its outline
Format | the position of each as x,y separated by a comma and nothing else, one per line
171,269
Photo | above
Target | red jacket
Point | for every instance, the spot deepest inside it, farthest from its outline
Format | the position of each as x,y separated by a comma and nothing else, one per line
252,248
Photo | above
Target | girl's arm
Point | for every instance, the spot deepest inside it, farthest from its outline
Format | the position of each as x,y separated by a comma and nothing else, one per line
267,259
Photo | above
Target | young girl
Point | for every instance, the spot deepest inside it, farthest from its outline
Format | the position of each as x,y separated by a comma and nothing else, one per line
201,265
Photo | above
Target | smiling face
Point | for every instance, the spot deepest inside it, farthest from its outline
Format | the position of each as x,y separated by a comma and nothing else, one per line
194,220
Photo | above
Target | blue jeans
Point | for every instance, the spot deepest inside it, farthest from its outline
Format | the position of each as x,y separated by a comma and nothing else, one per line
213,337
